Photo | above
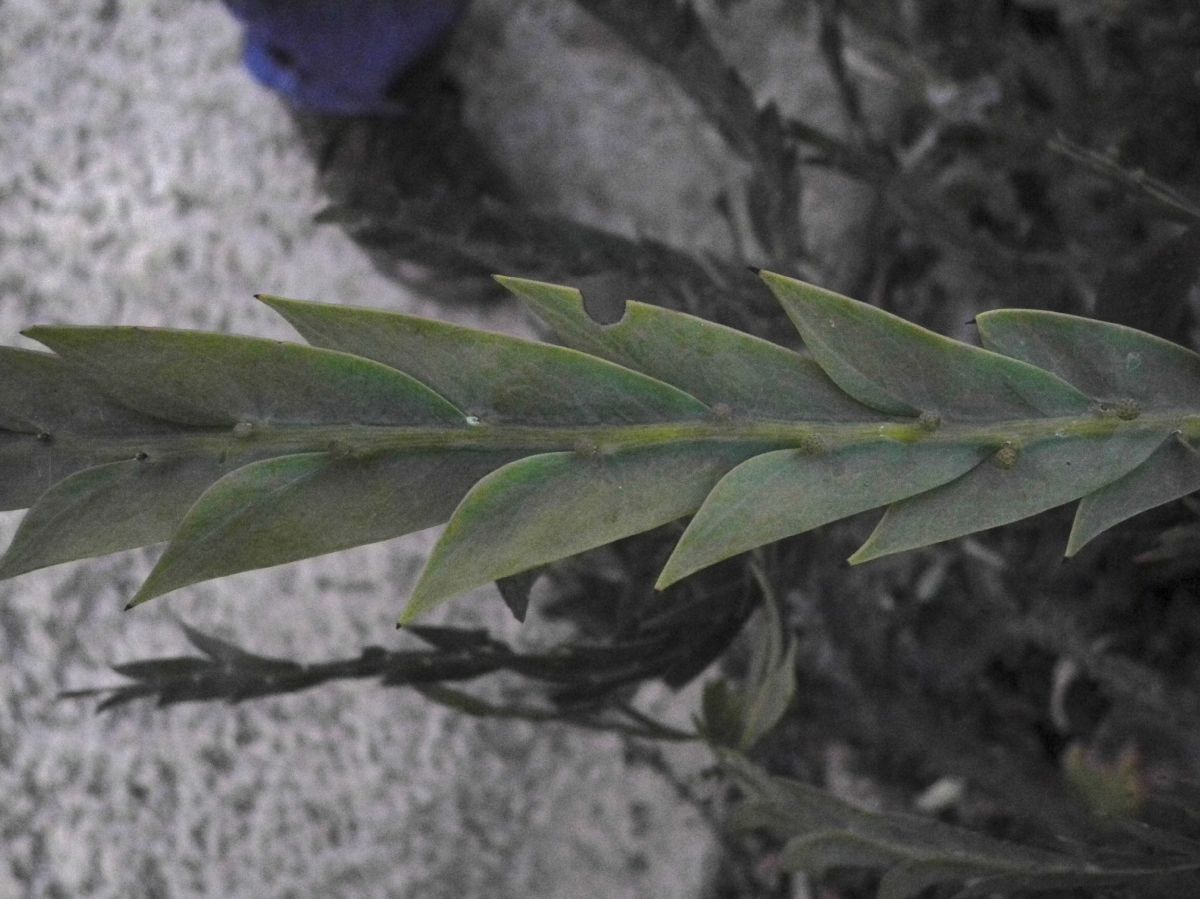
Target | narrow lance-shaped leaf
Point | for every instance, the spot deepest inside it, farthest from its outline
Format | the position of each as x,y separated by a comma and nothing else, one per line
1109,362
1038,477
718,365
1172,471
739,717
769,698
293,507
821,852
786,492
493,377
212,379
549,506
106,509
39,392
902,369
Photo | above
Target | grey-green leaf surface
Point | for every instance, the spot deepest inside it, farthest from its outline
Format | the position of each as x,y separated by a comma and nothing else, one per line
204,379
1045,474
913,877
819,852
769,699
1172,471
910,869
52,425
307,504
493,377
109,508
1109,362
30,466
553,505
902,369
41,394
769,684
721,714
786,492
718,365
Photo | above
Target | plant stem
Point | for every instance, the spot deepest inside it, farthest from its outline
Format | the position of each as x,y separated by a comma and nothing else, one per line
355,441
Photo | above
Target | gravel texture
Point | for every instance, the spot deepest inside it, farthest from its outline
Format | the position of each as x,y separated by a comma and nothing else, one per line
145,179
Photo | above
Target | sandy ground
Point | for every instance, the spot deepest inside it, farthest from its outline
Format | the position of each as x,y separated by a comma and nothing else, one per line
145,179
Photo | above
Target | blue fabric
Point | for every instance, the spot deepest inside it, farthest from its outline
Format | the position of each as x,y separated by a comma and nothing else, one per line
340,56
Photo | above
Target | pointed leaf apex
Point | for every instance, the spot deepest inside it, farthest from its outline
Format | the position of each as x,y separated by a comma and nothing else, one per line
144,594
669,575
280,305
37,332
419,603
159,582
1080,535
775,277
514,283
794,286
900,368
510,282
864,553
538,292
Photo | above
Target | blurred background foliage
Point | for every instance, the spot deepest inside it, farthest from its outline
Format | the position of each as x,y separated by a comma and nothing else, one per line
1044,154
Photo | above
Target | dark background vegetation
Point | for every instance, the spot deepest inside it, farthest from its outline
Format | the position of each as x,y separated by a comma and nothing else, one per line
1033,154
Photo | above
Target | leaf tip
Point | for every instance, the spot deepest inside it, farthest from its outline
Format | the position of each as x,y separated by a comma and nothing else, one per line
793,290
771,277
1075,542
54,337
678,567
274,302
536,291
146,592
864,553
418,604
667,577
142,596
512,284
